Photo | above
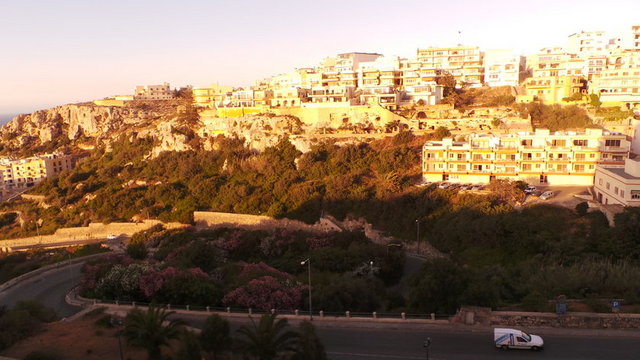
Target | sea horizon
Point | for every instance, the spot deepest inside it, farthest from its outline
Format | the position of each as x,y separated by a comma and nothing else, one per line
5,118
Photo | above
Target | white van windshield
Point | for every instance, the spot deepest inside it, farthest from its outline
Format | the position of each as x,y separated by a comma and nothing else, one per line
526,336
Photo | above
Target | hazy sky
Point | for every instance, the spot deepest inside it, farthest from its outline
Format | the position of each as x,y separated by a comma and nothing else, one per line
54,52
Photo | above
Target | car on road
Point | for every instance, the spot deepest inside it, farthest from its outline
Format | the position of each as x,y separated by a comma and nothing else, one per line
530,189
516,339
547,195
477,187
466,186
112,236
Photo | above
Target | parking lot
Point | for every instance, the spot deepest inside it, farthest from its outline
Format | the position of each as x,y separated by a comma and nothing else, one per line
562,195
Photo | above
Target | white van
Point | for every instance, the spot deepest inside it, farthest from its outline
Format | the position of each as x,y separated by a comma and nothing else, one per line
516,339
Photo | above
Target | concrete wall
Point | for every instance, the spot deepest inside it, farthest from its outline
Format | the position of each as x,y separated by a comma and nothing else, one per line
204,219
93,231
577,320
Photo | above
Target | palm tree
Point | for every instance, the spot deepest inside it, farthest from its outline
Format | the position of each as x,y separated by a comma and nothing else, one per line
214,337
266,340
151,329
309,345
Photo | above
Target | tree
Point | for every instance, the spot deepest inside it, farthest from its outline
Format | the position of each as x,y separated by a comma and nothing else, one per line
149,331
438,287
267,339
214,337
137,250
309,345
189,348
441,133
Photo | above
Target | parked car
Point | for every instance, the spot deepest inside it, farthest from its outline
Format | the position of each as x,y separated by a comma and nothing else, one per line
466,186
444,185
477,187
112,236
547,195
530,189
516,339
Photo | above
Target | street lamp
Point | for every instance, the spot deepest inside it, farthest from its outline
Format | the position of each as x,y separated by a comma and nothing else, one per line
371,268
418,234
308,263
426,345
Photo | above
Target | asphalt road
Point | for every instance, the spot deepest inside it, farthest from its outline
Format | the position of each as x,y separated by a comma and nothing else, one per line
386,341
49,288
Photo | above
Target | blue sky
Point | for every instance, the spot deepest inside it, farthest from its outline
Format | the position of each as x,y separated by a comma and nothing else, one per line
64,51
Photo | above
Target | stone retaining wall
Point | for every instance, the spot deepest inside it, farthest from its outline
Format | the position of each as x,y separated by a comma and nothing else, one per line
207,219
93,231
573,320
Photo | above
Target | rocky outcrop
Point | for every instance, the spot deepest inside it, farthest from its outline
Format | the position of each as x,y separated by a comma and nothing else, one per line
99,124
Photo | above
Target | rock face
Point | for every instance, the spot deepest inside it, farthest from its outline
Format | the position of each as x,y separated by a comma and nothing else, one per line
88,125
82,123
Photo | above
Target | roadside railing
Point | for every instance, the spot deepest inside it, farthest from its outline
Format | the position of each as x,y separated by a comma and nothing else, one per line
233,311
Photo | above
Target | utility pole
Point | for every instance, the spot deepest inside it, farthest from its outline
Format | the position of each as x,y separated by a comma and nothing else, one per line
308,263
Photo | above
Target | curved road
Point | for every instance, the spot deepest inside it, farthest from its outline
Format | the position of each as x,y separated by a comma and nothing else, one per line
49,288
384,341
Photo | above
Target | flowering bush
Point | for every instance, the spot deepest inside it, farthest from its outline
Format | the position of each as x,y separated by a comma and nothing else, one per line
266,293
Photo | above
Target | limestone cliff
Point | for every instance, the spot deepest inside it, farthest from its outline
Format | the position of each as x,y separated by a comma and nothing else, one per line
173,128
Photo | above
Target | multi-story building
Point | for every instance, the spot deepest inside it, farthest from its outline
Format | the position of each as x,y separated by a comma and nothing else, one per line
465,63
615,185
334,95
211,96
619,86
553,89
262,97
153,92
635,37
25,173
426,93
501,68
561,158
549,62
383,95
588,43
241,98
289,97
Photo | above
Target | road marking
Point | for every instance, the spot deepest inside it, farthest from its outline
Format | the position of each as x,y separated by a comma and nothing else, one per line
369,356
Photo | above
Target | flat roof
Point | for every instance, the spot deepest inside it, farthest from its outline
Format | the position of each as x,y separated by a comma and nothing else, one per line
620,172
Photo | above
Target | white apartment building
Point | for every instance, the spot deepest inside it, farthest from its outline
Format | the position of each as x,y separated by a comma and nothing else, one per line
153,92
560,158
333,95
501,68
24,173
549,62
465,63
241,98
615,185
427,93
588,43
289,97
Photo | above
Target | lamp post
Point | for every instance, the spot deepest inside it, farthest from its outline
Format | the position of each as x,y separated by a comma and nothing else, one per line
418,234
308,263
426,345
371,268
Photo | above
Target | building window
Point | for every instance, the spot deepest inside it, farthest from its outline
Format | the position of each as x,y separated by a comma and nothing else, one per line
615,143
608,186
635,194
622,194
615,190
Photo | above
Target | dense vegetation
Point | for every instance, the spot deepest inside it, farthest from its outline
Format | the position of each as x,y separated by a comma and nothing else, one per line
495,255
247,269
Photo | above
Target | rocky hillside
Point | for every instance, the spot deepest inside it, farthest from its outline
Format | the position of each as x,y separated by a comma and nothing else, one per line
173,125
84,126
